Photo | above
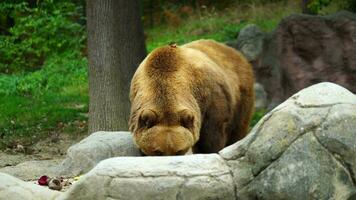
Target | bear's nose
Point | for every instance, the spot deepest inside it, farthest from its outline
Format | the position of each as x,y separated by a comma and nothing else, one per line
158,153
181,152
170,152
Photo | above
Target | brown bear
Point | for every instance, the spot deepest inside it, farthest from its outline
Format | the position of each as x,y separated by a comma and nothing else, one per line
199,95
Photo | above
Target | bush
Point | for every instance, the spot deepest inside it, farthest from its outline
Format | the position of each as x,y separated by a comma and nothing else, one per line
58,71
49,28
349,5
316,6
257,116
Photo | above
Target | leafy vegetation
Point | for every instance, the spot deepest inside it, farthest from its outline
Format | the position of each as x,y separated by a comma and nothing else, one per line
257,116
50,28
43,72
325,6
43,65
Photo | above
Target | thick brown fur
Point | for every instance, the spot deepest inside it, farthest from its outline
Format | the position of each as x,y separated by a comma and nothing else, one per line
199,95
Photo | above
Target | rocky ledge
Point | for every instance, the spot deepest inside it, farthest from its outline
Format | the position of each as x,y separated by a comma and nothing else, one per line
303,149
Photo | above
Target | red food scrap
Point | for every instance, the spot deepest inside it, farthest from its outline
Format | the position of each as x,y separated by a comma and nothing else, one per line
43,180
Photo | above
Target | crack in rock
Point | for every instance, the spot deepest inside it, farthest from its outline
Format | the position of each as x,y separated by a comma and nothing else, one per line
301,105
232,177
179,193
167,175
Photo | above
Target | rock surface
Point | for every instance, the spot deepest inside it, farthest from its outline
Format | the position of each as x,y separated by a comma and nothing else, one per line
12,188
181,177
302,51
83,156
260,97
300,150
250,42
303,149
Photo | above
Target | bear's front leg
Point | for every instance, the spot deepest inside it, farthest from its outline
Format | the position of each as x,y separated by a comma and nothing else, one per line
213,137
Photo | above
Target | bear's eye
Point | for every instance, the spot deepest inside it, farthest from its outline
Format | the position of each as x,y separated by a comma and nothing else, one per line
147,119
186,119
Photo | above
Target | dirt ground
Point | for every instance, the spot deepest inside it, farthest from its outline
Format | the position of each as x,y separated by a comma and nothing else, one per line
46,149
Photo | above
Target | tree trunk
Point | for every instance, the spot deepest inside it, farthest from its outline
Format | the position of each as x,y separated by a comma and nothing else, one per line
116,47
305,8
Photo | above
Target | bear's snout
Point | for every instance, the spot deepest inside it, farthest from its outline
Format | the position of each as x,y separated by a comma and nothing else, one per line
163,142
171,152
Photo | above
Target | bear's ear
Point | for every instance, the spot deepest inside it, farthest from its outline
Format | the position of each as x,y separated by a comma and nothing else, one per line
186,118
147,119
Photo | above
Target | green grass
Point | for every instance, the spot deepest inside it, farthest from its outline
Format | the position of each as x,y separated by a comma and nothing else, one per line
55,98
211,28
23,119
51,100
221,26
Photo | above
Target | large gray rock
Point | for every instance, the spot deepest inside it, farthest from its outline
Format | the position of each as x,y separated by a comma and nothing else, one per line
12,188
307,49
99,146
303,149
250,42
180,177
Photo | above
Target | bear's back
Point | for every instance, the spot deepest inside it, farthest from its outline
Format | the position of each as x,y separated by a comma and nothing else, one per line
225,57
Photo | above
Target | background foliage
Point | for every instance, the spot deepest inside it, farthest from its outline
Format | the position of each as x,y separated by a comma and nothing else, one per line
43,69
43,64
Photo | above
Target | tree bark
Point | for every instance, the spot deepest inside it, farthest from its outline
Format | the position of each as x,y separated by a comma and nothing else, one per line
115,49
304,5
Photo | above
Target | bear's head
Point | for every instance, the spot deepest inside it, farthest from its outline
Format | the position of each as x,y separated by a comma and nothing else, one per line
159,133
